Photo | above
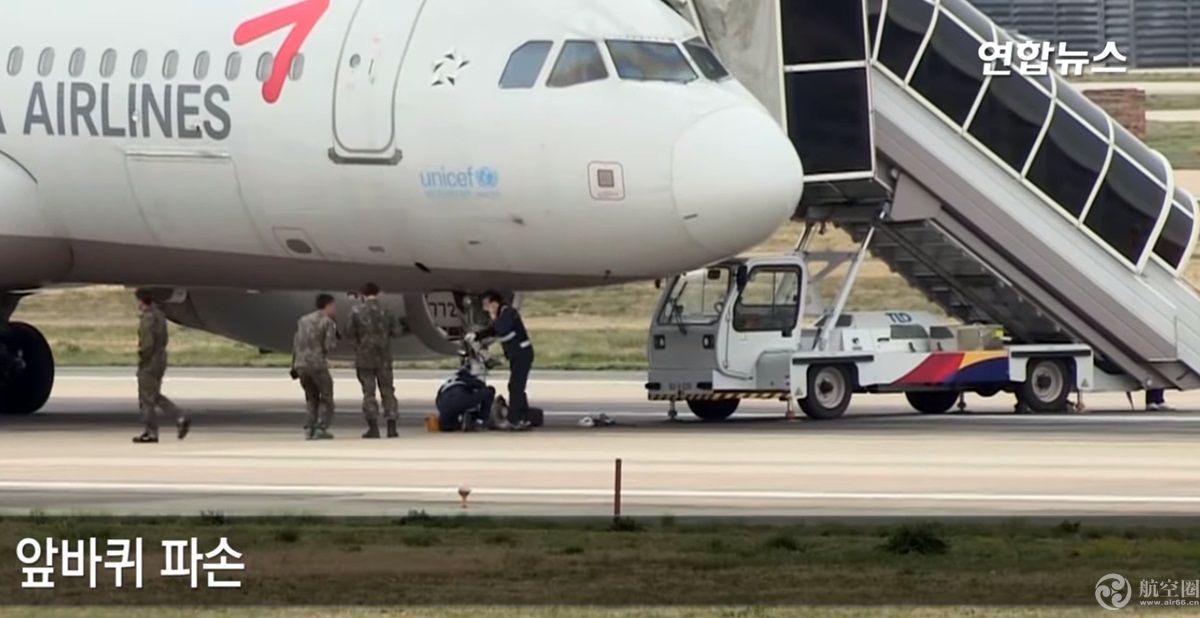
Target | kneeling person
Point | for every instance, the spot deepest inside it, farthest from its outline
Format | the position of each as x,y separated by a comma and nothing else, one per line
464,399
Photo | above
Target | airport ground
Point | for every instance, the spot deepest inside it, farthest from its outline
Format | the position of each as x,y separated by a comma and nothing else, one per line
418,561
525,611
246,455
522,611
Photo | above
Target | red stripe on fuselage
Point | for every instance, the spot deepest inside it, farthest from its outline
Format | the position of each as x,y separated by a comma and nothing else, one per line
303,17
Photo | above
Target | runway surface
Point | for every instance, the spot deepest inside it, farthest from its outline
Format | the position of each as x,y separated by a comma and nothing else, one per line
247,456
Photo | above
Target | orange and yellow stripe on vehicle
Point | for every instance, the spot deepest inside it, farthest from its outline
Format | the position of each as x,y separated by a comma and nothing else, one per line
959,368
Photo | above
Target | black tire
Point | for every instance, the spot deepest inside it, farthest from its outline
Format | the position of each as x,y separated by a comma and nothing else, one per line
932,402
829,391
713,411
28,369
1047,386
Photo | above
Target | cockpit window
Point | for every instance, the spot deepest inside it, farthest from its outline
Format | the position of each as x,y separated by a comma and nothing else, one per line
580,62
704,57
649,61
525,65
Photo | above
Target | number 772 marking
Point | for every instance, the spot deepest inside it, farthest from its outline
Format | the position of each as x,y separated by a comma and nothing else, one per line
302,17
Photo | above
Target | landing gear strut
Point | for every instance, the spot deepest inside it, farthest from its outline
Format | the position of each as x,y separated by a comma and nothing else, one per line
26,369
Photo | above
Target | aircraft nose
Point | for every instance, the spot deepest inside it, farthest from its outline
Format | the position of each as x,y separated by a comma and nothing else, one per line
737,179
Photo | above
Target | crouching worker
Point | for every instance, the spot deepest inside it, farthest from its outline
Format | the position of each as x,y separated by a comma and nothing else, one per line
464,399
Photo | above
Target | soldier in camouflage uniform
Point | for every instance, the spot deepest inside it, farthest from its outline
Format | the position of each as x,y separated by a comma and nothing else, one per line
316,337
372,328
152,364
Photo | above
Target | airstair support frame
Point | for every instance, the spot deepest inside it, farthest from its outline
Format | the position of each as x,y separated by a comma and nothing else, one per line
843,295
949,273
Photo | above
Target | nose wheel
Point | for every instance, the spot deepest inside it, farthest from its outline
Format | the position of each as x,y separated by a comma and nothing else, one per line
713,411
26,369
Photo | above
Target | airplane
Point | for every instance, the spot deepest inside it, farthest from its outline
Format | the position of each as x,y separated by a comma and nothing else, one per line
239,155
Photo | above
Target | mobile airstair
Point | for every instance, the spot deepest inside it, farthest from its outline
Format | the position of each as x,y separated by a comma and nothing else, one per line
1008,198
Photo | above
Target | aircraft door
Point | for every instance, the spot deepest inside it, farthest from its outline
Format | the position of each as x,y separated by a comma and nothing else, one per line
367,79
765,316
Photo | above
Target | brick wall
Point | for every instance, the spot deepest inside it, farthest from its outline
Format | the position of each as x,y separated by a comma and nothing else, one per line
1126,105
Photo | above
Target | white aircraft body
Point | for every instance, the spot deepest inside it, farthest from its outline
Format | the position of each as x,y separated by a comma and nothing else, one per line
216,147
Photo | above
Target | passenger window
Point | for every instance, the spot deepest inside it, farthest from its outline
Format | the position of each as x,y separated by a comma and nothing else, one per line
233,66
1139,152
646,61
950,74
578,63
297,70
200,70
525,65
1173,243
1091,113
973,19
75,65
263,71
1010,118
46,62
704,57
770,301
817,31
171,65
831,134
904,29
1126,209
140,61
1069,161
108,63
16,58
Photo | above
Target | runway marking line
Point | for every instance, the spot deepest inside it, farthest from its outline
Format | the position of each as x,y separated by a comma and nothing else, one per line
129,379
206,488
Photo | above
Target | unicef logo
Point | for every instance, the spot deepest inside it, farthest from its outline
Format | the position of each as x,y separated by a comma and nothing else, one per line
487,178
461,182
1113,591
